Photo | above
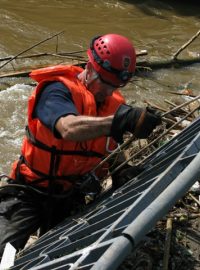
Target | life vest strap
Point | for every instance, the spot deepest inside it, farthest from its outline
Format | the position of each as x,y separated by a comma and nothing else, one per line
45,147
70,178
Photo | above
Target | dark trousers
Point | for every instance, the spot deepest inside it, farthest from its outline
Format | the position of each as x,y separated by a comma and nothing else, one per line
23,211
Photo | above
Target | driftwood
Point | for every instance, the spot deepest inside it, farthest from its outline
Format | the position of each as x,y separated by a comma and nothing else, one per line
181,105
197,201
174,105
168,63
35,45
167,244
36,55
60,54
186,45
151,104
142,65
187,93
173,61
169,120
67,55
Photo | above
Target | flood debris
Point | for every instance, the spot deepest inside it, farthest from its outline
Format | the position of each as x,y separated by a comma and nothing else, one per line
17,67
175,241
28,49
167,243
173,244
186,45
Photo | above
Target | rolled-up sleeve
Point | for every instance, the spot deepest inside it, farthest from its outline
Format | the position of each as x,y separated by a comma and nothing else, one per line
54,102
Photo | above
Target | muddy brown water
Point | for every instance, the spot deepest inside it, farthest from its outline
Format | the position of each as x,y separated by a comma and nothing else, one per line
160,27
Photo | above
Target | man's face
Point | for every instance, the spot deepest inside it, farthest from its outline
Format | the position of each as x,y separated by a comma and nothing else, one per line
100,89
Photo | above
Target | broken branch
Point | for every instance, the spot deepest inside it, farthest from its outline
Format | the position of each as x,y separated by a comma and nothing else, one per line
167,244
38,43
186,45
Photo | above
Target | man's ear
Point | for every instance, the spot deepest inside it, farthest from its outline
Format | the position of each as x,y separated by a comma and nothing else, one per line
91,73
89,66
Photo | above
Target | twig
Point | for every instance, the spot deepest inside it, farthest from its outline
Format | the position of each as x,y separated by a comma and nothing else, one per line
141,53
16,74
167,244
168,121
174,105
38,43
61,54
180,106
154,106
188,215
57,44
181,94
197,201
57,54
186,45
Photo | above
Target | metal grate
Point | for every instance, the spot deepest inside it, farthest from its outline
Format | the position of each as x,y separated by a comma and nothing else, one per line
110,229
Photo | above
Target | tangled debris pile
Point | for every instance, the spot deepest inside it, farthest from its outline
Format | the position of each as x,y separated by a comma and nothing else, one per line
170,247
175,241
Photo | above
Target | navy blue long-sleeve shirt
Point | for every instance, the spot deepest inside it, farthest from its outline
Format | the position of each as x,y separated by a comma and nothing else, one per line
55,101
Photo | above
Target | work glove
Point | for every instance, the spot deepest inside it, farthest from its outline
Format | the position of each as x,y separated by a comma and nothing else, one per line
138,121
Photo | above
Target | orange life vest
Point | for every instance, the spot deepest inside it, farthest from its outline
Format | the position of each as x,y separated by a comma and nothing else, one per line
45,157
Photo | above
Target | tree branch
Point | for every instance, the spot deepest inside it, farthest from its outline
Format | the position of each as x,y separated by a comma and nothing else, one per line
186,45
38,43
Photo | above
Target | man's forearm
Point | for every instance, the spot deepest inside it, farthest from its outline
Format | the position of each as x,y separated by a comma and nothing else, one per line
82,128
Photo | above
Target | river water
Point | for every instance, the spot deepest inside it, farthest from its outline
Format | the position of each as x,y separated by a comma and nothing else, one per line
160,27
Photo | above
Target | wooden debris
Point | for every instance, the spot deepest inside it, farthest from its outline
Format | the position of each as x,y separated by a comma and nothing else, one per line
167,244
148,65
174,105
37,55
181,105
186,45
193,105
142,65
38,43
197,201
153,105
184,93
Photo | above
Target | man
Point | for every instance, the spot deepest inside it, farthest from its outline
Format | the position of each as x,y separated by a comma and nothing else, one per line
75,118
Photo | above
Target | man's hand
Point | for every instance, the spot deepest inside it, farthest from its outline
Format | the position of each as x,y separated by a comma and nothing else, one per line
151,119
138,121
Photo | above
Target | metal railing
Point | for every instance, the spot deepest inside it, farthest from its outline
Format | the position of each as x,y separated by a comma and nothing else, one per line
110,229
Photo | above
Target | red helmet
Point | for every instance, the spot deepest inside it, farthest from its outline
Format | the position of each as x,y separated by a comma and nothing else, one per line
113,57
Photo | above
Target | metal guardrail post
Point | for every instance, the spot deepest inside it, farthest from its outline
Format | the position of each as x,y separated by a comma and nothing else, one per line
159,207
